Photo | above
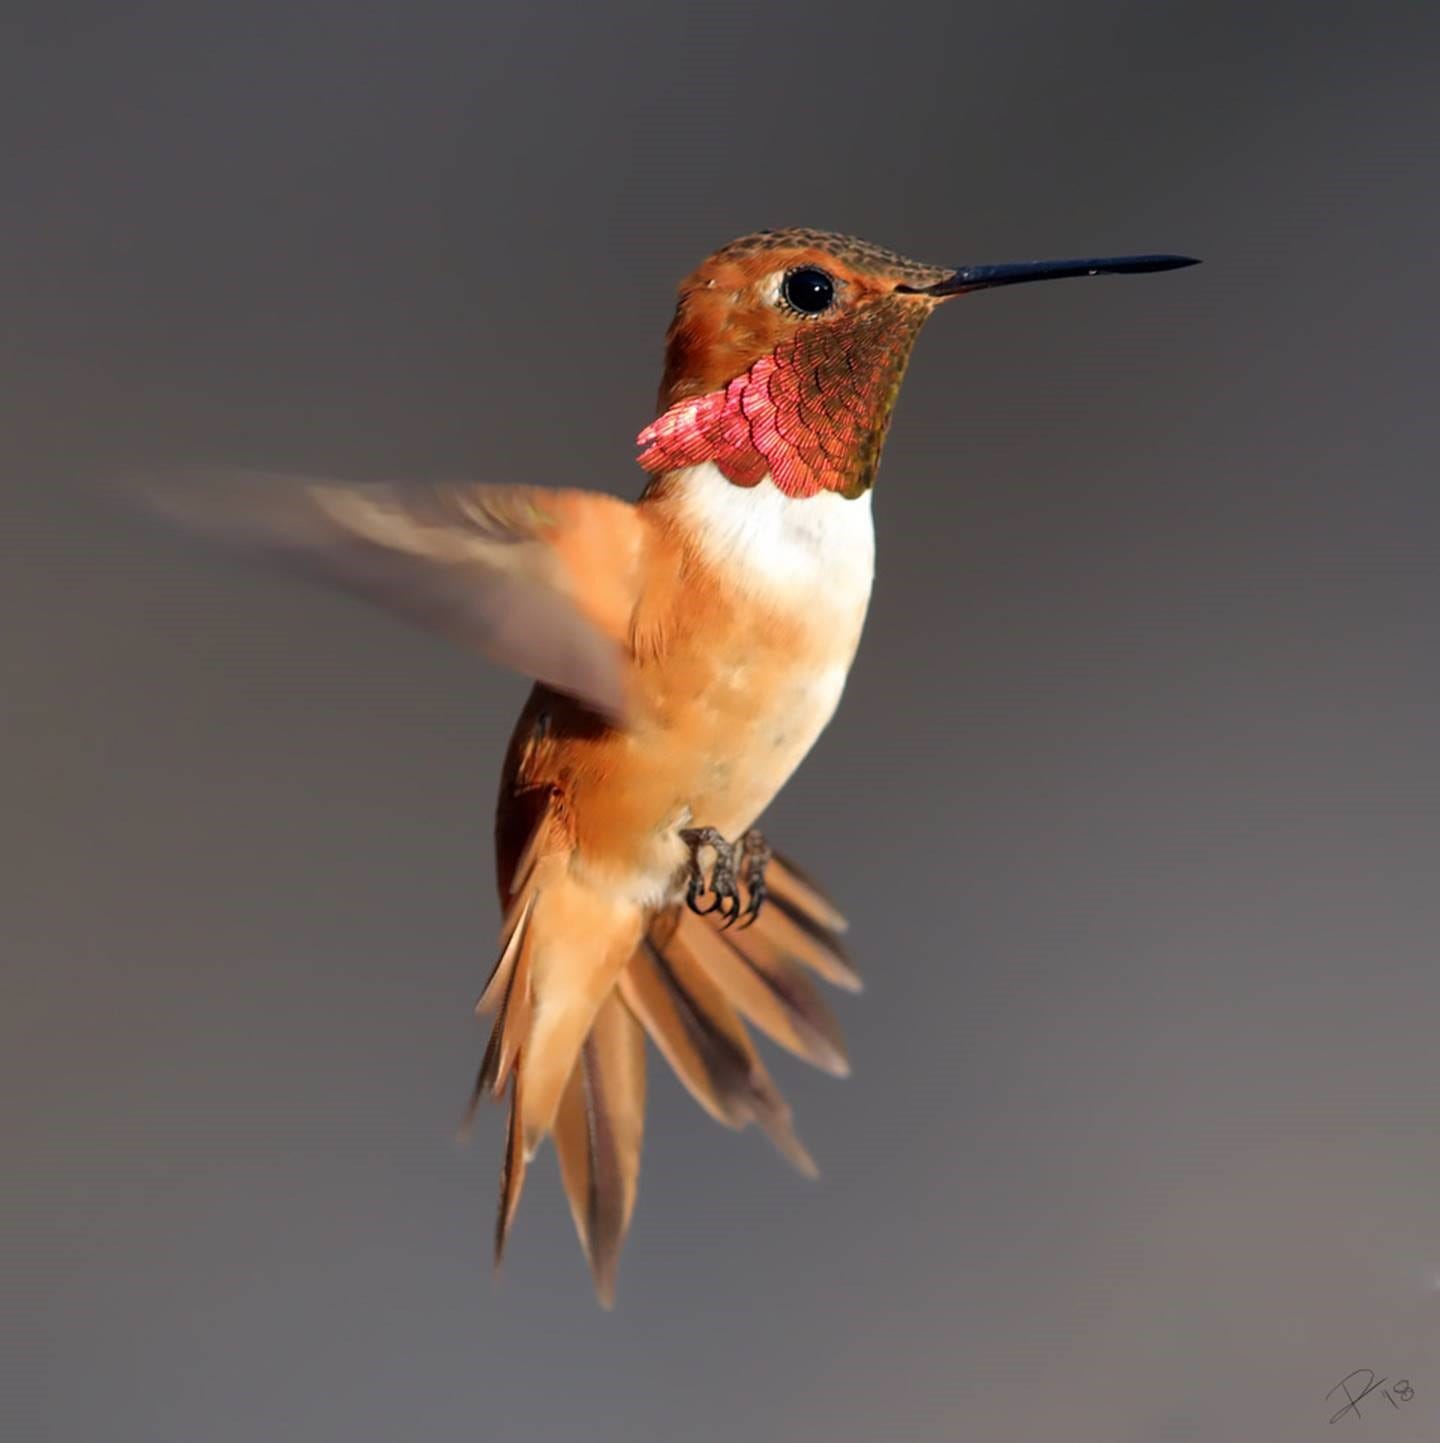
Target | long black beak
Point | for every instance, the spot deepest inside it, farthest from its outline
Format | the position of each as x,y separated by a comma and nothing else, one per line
979,278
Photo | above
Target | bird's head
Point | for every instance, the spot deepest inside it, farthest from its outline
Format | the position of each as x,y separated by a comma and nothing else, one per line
787,351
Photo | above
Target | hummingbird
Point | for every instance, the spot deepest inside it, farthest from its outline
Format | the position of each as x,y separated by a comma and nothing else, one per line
687,650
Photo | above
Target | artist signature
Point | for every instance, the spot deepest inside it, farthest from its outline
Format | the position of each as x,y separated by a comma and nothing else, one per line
1359,1385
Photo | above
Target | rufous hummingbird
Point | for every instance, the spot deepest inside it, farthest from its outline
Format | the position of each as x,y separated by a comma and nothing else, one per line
687,651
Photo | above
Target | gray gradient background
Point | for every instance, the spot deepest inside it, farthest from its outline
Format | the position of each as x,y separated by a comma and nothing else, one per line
1133,799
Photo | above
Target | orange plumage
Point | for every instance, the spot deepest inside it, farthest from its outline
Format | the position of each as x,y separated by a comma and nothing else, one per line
688,650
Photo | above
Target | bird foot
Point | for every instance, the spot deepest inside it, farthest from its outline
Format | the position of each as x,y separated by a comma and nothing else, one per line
737,864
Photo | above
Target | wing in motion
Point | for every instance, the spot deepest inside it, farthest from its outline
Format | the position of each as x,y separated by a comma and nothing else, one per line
539,580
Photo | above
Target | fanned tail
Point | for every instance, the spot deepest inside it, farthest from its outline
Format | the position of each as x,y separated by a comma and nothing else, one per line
583,978
560,1039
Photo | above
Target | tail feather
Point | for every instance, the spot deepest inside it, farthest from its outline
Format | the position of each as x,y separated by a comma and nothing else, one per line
785,879
807,941
699,1034
598,1133
508,993
583,977
560,982
512,935
583,938
512,1174
769,990
511,1023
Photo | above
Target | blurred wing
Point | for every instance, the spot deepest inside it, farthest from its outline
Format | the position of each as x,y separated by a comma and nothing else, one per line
539,580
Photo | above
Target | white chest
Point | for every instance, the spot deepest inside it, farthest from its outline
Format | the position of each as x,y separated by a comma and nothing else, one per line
813,554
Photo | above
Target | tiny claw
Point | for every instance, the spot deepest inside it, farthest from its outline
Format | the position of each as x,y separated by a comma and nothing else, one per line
727,897
756,852
757,900
693,890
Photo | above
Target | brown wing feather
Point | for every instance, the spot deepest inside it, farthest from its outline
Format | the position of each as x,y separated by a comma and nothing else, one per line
492,567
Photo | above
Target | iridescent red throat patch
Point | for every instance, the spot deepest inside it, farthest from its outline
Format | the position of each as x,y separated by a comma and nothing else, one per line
813,413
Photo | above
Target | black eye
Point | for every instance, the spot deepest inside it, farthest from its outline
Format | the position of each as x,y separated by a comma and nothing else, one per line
808,290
